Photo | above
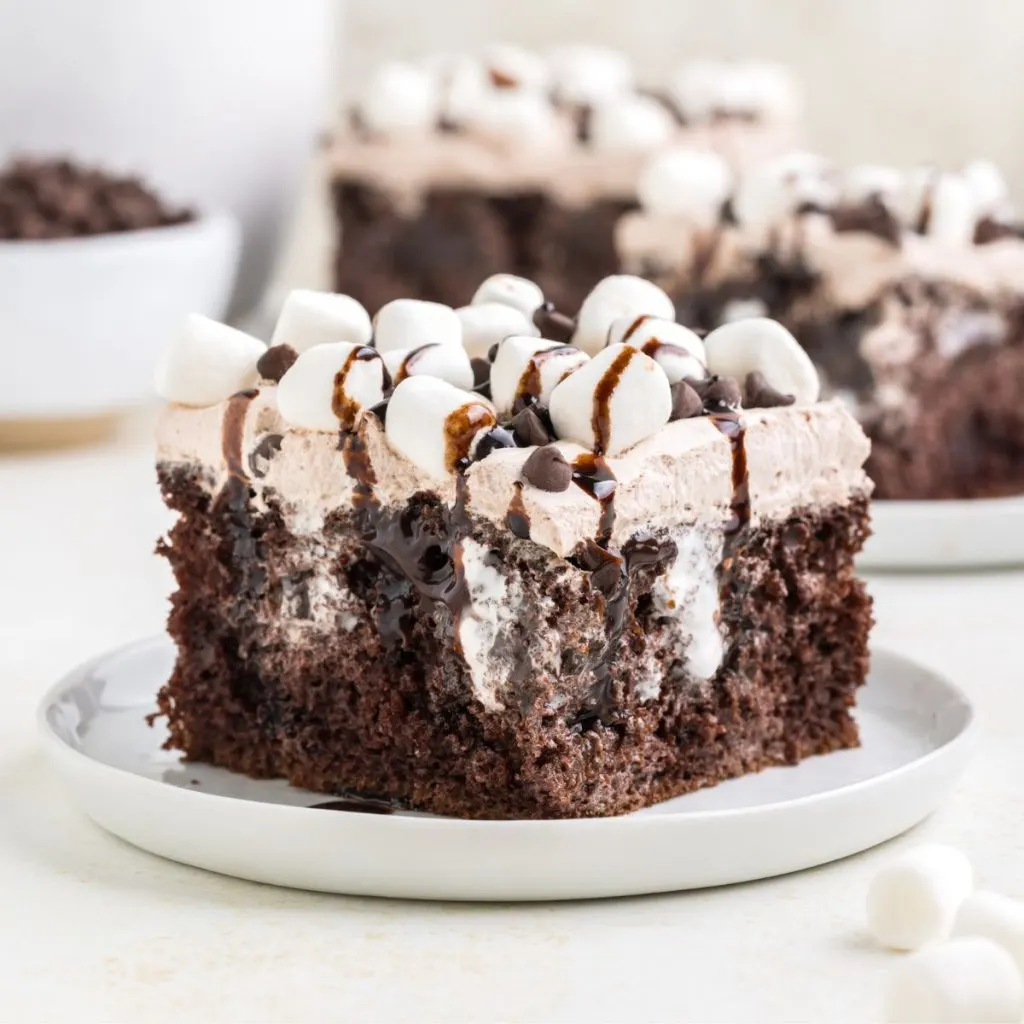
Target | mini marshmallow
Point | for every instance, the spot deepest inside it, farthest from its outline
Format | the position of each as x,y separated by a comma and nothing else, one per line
915,195
311,318
690,183
486,323
617,296
697,88
969,979
743,346
328,385
515,67
435,425
445,362
412,323
463,87
987,185
994,917
525,119
207,362
675,348
530,366
400,99
914,898
517,292
759,88
867,181
630,123
954,211
639,403
588,75
783,186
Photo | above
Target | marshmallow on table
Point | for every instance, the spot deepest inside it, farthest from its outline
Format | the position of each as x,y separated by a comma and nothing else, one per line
509,290
447,362
745,346
954,213
614,297
435,425
913,900
400,99
968,979
630,123
311,318
486,323
530,367
675,348
995,917
587,75
411,323
688,183
621,391
206,362
328,385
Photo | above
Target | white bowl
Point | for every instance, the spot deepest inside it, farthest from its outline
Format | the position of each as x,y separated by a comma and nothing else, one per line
83,320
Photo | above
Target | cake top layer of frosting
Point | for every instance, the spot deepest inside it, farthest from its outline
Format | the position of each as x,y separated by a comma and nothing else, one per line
570,429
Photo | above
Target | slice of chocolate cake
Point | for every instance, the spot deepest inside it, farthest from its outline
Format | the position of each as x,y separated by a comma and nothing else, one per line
618,570
905,289
447,170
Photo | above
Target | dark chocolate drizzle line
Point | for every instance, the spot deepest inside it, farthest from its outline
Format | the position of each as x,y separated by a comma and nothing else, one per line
409,362
732,427
517,518
635,326
591,473
529,388
600,417
345,408
233,433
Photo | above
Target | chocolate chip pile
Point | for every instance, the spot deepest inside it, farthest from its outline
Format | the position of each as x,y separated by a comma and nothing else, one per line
60,199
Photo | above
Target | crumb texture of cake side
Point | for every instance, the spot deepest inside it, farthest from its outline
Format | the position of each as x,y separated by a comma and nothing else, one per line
905,288
628,577
464,165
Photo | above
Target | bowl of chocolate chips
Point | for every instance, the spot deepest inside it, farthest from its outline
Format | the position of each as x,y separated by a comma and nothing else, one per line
97,270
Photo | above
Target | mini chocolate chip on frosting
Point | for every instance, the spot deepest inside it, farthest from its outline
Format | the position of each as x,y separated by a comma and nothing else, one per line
759,394
553,325
547,470
686,403
529,428
276,362
723,393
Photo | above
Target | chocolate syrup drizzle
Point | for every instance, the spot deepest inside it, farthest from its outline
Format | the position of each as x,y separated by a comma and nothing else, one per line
517,518
592,474
233,434
529,389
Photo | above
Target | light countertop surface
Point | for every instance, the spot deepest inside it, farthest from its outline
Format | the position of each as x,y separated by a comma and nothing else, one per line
92,929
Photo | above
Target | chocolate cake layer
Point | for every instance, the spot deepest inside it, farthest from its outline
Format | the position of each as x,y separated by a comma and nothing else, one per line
323,662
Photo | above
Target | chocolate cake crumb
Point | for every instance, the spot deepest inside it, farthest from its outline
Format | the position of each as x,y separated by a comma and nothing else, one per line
547,469
276,362
529,427
759,394
686,403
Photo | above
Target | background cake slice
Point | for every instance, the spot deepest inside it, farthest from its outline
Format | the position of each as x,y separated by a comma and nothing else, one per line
592,583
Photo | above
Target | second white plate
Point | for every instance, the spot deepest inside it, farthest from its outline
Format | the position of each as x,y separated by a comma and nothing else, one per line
980,534
916,730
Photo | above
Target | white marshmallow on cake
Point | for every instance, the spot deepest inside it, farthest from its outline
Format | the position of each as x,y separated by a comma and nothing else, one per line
446,362
697,88
615,297
485,324
434,424
988,186
969,979
675,348
400,99
585,75
770,193
759,344
867,181
913,900
328,385
630,123
953,211
412,323
915,195
639,403
311,318
761,89
517,292
517,117
689,183
550,360
207,362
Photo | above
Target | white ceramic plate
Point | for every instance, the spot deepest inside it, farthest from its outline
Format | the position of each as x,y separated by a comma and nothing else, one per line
916,730
984,533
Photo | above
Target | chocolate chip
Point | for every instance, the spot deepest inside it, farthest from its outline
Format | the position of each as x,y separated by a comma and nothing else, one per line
495,438
529,428
380,410
685,401
276,362
547,469
700,386
481,371
553,325
761,395
722,394
492,352
871,216
989,230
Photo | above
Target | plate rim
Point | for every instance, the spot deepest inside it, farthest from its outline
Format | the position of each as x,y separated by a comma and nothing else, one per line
56,746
